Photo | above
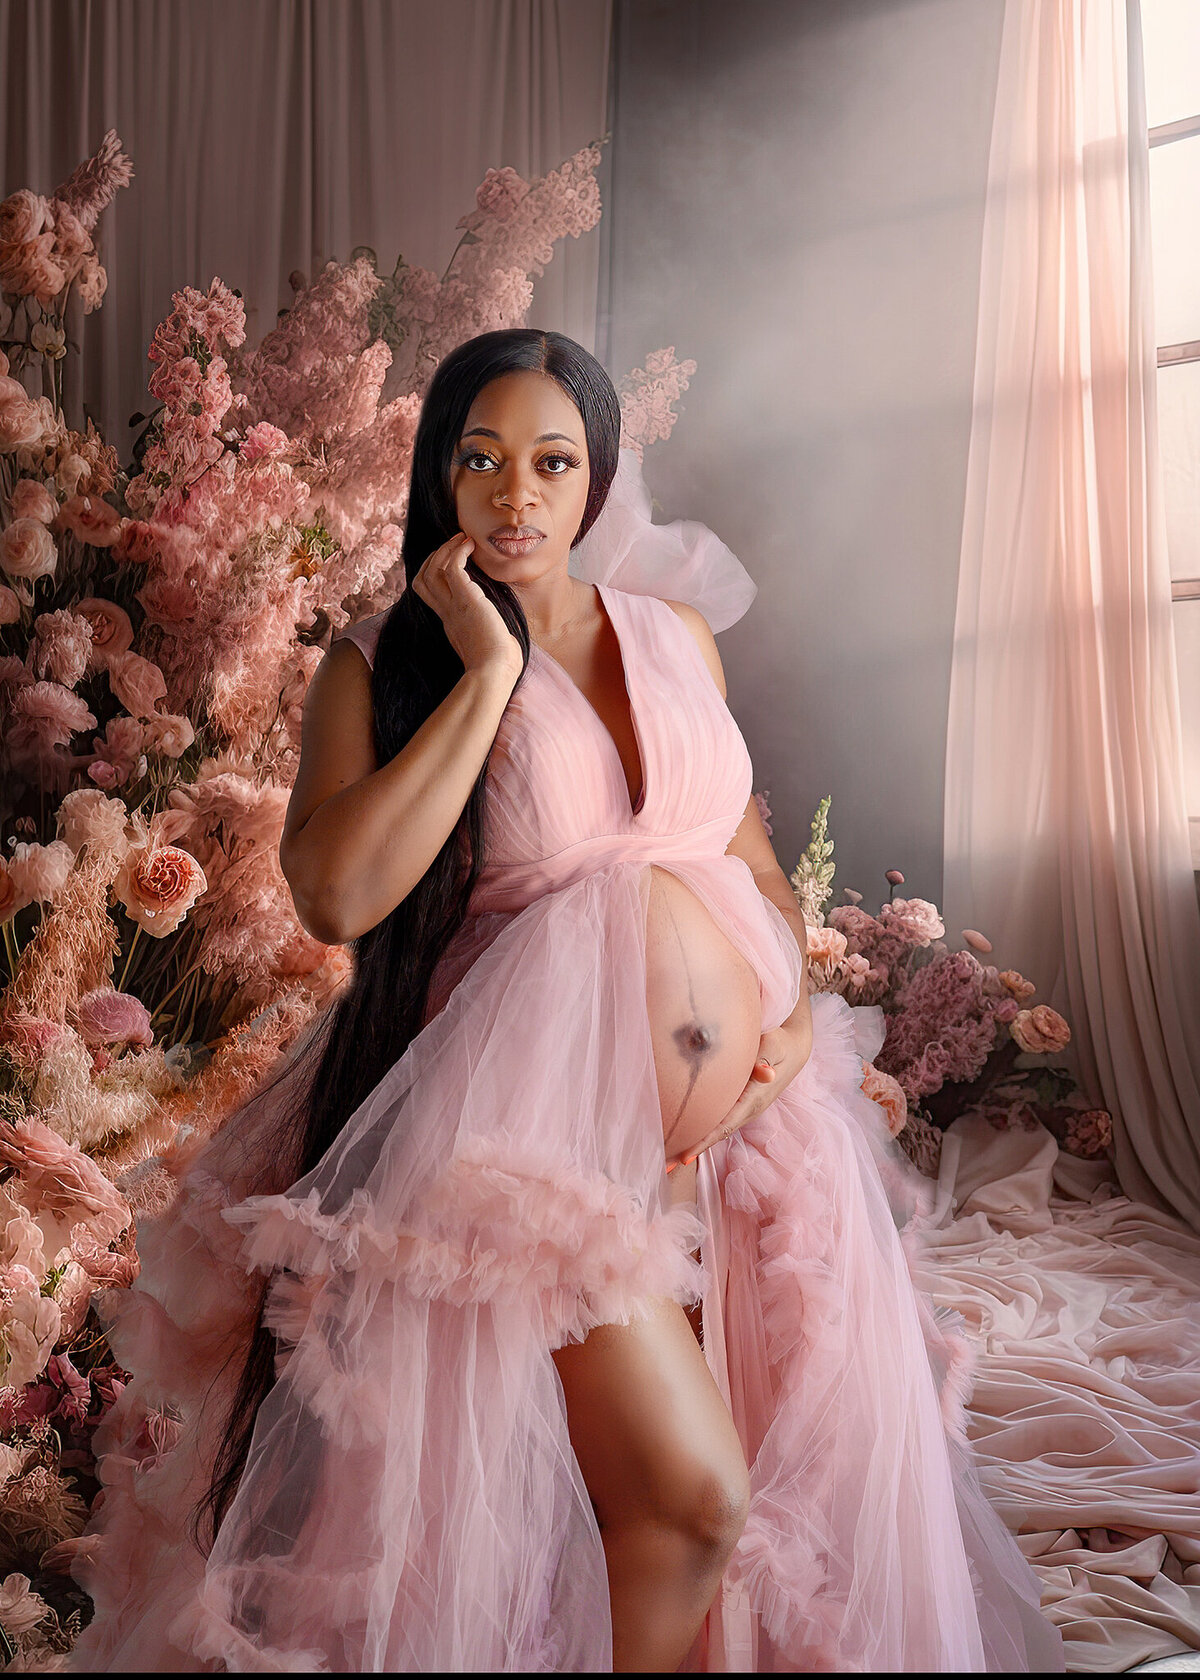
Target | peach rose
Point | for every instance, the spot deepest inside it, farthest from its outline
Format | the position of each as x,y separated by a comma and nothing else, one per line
888,1093
29,1325
825,944
137,683
1016,983
20,418
32,500
91,518
1040,1029
158,886
112,631
170,734
27,550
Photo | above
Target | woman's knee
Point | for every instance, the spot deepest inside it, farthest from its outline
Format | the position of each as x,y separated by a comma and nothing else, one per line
706,1504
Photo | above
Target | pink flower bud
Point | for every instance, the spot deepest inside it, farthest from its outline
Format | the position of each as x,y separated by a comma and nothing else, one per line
976,941
894,876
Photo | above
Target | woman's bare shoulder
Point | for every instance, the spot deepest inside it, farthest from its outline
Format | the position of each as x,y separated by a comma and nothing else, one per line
696,622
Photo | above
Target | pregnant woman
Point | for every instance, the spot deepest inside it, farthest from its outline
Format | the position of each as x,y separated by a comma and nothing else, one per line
546,1310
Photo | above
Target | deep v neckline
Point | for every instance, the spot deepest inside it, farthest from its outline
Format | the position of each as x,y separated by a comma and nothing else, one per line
635,810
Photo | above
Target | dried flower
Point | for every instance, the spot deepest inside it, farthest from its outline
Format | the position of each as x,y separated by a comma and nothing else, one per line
1040,1030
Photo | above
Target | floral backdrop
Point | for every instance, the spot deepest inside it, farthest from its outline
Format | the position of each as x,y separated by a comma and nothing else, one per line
159,623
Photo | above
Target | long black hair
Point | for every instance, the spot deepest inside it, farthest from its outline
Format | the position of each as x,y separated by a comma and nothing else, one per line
381,1011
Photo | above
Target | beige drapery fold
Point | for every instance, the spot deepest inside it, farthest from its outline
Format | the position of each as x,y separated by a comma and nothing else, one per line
270,137
1066,835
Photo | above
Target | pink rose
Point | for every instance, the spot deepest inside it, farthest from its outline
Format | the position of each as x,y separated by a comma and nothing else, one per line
170,734
10,605
40,872
88,817
136,544
1040,1029
32,500
27,550
104,1016
889,1094
137,683
158,886
825,944
112,631
91,518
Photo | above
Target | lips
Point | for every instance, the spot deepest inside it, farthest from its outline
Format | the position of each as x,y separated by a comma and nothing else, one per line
516,539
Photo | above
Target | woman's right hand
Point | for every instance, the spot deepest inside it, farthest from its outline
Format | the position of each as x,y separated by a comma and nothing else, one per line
475,629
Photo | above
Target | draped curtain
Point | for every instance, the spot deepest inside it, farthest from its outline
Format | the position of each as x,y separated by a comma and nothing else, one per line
270,137
1066,835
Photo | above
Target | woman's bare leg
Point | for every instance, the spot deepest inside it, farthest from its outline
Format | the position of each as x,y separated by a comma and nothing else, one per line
664,1467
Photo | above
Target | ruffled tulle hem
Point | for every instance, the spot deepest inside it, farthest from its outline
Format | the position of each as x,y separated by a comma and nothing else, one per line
575,1250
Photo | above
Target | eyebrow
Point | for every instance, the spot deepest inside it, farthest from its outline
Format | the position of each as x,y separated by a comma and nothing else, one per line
546,437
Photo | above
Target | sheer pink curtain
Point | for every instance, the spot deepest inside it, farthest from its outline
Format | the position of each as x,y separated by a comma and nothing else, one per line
1066,834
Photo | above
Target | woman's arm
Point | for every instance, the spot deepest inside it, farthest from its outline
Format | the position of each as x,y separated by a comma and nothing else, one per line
359,836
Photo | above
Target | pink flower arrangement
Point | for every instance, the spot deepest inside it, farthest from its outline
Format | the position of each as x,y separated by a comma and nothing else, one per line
955,1026
159,626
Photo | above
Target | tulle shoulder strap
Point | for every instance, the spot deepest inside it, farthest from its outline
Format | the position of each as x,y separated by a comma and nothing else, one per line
682,561
365,634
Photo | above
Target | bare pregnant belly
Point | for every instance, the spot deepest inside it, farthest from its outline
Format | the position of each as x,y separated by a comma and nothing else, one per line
705,1013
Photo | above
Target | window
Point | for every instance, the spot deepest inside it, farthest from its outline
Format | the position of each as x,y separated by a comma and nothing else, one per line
1171,45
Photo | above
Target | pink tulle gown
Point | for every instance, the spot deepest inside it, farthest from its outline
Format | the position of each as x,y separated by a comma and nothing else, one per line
412,1502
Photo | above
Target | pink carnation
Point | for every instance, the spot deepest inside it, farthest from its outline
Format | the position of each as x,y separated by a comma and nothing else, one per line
264,442
40,872
825,944
32,500
104,1016
915,919
63,646
89,817
888,1093
53,712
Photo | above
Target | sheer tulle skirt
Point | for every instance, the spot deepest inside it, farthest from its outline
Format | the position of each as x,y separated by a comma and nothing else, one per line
411,1501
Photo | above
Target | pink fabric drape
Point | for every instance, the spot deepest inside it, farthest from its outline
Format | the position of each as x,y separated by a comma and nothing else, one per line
271,137
1066,833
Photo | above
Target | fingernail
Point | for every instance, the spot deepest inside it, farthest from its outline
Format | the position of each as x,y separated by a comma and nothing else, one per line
686,1160
671,1165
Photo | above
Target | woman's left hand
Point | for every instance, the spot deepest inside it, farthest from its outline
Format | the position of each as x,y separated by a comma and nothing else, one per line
782,1052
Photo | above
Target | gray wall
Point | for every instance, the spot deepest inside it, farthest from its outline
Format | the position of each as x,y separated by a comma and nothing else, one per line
796,201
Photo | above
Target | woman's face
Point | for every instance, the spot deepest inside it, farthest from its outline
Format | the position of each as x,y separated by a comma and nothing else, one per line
520,476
